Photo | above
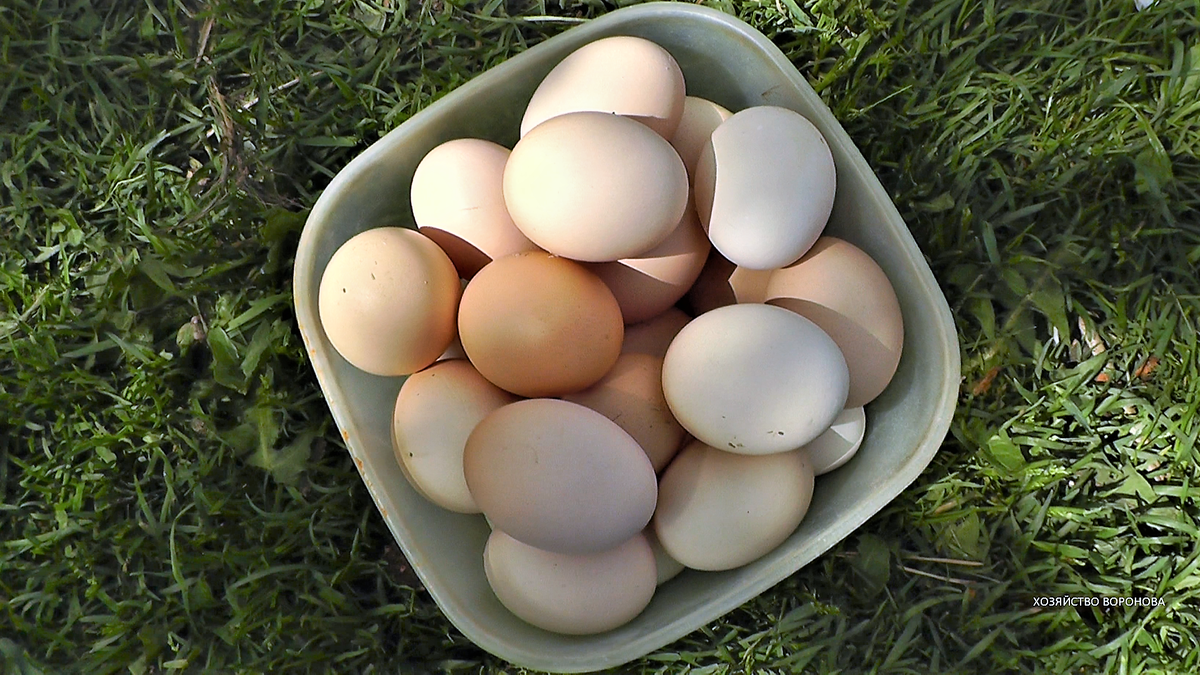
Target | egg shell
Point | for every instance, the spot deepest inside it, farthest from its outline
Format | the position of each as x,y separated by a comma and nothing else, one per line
700,118
571,594
722,283
654,336
719,510
559,476
595,187
837,444
631,395
387,301
647,285
668,568
751,379
538,325
764,187
457,200
435,412
840,288
625,75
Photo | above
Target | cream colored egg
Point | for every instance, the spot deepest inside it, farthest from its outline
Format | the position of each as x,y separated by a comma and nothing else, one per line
457,200
700,118
722,283
631,395
647,285
559,476
625,75
595,187
388,301
654,336
764,187
668,567
436,411
840,288
571,594
837,444
751,379
718,510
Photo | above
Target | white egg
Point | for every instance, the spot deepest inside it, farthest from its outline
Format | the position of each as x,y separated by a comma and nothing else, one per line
837,444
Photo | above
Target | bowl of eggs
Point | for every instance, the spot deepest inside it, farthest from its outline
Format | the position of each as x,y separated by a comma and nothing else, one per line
620,334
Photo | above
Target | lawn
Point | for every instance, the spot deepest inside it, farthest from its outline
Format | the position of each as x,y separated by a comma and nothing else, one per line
175,497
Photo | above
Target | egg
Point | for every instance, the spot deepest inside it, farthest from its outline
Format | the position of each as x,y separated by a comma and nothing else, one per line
719,510
764,187
571,594
647,285
700,118
559,476
457,200
721,283
387,301
668,568
655,335
538,325
631,395
840,288
837,444
436,411
625,75
753,379
595,187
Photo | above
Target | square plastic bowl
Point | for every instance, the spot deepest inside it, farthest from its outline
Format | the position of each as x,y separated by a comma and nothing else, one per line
728,62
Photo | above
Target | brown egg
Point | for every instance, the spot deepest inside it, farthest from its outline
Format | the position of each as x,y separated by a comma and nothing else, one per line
700,118
837,286
387,301
631,395
595,187
722,283
625,75
538,325
645,286
654,336
559,476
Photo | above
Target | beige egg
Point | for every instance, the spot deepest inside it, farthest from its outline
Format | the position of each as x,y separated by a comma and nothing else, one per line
571,594
764,187
837,444
387,301
595,187
631,395
538,325
559,476
722,283
458,201
840,288
626,75
654,336
751,379
718,510
668,568
647,285
436,411
700,118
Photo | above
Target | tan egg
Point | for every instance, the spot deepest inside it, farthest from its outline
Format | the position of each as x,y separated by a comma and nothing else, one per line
764,187
436,411
722,283
387,301
654,336
839,442
840,288
631,395
595,187
458,201
668,568
538,325
559,476
626,75
571,594
645,286
718,510
700,118
754,379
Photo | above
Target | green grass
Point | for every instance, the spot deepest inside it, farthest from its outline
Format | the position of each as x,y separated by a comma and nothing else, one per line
174,497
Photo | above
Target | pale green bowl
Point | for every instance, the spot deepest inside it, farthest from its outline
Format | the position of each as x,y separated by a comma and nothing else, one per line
726,61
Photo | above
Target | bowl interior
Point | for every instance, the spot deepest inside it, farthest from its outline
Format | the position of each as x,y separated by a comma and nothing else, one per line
730,63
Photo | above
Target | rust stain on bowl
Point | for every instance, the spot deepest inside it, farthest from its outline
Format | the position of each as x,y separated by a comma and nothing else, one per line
345,435
359,463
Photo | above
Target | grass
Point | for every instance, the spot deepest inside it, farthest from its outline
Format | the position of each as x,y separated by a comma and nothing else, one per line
174,497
